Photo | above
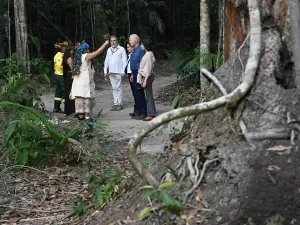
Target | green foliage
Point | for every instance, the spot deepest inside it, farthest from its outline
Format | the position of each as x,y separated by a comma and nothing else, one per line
78,207
106,186
176,101
23,88
27,135
187,63
164,200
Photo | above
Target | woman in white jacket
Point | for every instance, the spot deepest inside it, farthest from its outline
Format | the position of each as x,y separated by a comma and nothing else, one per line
147,77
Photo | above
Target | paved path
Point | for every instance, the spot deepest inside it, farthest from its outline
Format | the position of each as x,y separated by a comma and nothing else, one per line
120,124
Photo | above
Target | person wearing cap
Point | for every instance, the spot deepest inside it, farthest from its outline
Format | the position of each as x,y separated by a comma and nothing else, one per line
83,86
58,76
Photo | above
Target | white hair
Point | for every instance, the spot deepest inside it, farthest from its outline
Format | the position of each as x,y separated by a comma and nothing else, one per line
136,37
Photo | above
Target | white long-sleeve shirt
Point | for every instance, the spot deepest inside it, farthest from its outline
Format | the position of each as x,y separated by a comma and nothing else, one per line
115,60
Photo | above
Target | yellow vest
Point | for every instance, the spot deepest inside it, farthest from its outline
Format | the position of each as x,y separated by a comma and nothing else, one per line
58,63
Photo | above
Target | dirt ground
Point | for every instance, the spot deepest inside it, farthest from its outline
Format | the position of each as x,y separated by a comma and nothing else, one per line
245,187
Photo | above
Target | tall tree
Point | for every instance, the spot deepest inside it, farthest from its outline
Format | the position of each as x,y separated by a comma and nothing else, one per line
128,17
294,9
115,18
204,27
21,34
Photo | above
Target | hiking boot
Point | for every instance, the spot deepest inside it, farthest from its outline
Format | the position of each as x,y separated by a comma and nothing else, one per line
132,114
149,118
57,110
113,108
119,108
139,117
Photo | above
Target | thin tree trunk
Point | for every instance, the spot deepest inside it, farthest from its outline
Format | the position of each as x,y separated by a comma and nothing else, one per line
80,15
92,24
204,28
76,27
115,18
38,21
9,34
221,28
21,35
138,19
294,9
128,18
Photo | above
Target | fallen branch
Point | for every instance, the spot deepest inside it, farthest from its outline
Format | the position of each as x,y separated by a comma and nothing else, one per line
35,210
230,99
274,133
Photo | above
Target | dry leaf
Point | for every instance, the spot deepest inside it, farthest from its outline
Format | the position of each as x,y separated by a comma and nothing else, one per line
176,147
273,168
199,195
205,203
280,148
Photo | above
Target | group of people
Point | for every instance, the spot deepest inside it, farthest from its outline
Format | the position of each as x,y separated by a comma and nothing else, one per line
74,76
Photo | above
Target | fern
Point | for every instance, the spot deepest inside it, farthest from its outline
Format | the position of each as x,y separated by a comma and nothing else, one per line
187,63
22,88
58,137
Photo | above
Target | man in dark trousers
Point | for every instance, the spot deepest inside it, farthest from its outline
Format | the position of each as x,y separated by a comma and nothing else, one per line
58,76
135,59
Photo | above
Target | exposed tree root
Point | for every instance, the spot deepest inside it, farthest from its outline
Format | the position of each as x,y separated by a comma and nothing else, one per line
188,193
274,133
214,80
230,99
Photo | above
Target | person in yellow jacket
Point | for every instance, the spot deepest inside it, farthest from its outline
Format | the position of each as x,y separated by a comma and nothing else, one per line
58,76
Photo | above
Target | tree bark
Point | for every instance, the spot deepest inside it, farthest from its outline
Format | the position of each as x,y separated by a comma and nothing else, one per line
115,18
236,29
294,9
229,100
21,35
204,27
128,18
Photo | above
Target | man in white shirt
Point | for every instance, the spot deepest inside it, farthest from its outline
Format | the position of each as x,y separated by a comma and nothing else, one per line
114,67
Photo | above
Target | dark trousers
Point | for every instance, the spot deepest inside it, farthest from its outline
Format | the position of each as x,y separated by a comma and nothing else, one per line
141,107
69,103
151,109
59,92
132,89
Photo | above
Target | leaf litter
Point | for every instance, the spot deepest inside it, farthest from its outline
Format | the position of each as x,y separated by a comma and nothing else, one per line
43,197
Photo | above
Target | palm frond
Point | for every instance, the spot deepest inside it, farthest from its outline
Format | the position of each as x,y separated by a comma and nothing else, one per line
155,20
55,134
157,3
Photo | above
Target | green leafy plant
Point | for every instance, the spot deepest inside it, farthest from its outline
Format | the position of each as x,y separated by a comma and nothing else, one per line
187,63
78,207
27,135
164,200
23,88
108,184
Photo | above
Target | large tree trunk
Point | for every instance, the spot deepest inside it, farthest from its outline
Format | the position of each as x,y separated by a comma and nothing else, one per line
243,186
21,35
294,8
236,29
